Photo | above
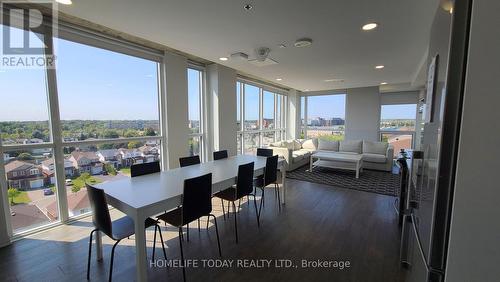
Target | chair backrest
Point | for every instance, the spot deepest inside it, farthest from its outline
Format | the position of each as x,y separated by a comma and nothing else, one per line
197,198
187,161
244,183
271,170
264,152
145,168
218,155
100,211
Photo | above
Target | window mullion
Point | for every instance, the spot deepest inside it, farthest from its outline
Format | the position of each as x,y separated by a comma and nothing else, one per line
56,135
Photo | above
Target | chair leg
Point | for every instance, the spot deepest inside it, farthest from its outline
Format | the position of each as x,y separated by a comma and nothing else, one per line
216,232
223,212
90,254
235,223
208,220
182,255
187,232
199,230
239,205
279,199
256,212
154,243
162,243
111,261
228,209
261,203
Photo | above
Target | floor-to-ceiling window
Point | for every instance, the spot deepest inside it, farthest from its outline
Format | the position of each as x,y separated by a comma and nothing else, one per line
195,114
263,113
397,125
86,122
323,116
118,101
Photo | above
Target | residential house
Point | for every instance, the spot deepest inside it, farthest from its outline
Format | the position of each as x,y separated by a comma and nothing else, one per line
49,172
86,162
129,157
6,157
24,175
150,153
109,156
78,203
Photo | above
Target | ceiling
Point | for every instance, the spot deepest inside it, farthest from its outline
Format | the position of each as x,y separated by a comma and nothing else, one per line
340,49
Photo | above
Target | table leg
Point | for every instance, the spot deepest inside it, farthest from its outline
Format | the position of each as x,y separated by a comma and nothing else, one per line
311,164
140,249
357,169
98,244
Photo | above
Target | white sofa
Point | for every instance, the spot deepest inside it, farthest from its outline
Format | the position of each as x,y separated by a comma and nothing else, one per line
297,152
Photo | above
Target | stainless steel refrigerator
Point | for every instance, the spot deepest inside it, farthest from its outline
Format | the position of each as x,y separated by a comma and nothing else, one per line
427,217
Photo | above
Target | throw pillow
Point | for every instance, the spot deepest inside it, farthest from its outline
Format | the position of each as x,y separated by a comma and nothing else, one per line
310,144
379,148
326,145
353,146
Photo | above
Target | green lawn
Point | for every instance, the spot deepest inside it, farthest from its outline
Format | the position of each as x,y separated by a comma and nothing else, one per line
81,183
22,198
332,137
125,170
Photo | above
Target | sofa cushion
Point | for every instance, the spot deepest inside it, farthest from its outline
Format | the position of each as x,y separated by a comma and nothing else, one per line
300,155
287,144
351,146
374,158
375,147
325,145
297,145
276,144
310,144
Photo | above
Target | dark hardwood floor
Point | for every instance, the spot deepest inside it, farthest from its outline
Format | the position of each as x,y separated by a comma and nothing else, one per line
318,222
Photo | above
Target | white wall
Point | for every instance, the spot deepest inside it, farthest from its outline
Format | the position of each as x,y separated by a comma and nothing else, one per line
177,105
221,88
395,98
474,246
293,122
362,113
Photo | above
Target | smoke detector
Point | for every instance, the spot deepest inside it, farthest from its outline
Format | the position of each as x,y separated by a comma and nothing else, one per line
303,42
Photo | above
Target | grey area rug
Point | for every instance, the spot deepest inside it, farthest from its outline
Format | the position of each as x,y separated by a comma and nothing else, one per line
380,182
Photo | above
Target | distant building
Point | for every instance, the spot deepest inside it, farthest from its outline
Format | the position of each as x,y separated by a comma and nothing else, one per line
109,156
129,157
6,157
150,153
24,175
78,203
49,171
86,162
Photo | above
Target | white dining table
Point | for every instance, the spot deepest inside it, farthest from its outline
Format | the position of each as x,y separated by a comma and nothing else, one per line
152,194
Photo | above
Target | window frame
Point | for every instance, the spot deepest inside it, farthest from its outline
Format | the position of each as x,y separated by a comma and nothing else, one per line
278,129
202,133
399,132
86,37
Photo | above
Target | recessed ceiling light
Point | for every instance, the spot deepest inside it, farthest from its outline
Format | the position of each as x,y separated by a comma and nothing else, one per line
65,2
379,67
306,89
279,79
383,83
223,58
303,42
369,26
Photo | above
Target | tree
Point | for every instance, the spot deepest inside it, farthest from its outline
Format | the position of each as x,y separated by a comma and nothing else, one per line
25,157
110,169
110,134
12,193
37,134
75,188
149,132
134,144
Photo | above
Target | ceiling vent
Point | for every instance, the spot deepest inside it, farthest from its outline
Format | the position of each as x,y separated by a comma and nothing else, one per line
262,58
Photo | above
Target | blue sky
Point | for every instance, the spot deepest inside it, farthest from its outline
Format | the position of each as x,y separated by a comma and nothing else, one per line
92,84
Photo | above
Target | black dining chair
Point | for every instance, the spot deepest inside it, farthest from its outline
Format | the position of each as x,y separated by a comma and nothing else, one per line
144,169
196,202
117,230
219,155
244,187
262,152
270,177
187,161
